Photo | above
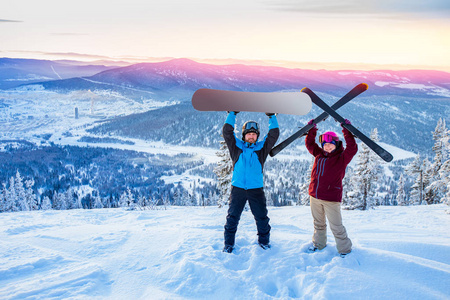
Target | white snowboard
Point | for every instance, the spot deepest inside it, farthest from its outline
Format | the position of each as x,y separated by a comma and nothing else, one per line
291,103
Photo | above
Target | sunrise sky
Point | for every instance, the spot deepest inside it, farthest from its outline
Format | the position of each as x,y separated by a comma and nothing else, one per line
413,34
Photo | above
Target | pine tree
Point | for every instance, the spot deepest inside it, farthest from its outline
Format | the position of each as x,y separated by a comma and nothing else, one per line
30,197
126,199
21,199
214,199
401,194
444,172
60,201
418,168
98,202
123,200
377,170
68,198
11,197
347,187
185,198
224,172
177,195
46,203
303,197
366,174
209,199
3,199
76,202
435,190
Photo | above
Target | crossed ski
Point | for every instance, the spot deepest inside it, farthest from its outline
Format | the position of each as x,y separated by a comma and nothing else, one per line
357,90
386,156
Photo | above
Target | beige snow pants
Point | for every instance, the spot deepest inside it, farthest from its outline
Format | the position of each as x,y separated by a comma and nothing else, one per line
332,211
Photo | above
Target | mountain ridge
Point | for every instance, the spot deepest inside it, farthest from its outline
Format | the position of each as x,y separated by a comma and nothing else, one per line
183,76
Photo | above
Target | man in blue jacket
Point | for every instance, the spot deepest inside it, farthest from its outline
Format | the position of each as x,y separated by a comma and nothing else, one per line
248,156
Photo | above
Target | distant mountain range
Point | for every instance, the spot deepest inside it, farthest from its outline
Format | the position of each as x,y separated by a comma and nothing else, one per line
180,77
403,105
15,71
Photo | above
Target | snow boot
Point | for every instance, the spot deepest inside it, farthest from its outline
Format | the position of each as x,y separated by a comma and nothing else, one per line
264,246
228,249
312,249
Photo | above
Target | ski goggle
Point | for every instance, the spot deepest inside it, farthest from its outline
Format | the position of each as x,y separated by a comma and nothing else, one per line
328,138
251,125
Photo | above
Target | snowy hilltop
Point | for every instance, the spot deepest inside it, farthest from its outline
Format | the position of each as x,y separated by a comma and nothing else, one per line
399,253
127,140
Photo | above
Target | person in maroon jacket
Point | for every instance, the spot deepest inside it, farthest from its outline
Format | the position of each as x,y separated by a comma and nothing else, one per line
325,189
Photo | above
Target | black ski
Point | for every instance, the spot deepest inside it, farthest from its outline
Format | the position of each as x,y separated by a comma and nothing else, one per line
359,89
386,156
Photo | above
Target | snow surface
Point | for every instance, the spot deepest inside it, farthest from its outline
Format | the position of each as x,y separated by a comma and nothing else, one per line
32,112
399,253
429,89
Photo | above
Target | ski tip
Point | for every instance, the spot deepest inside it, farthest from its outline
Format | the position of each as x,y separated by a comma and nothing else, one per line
366,85
388,157
303,89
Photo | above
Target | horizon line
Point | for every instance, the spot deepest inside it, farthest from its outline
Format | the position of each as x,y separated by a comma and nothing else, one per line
330,66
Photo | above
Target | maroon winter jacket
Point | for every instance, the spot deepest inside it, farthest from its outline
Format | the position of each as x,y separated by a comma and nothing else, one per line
329,169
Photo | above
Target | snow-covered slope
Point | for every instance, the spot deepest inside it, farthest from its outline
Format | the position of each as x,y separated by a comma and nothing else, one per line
399,253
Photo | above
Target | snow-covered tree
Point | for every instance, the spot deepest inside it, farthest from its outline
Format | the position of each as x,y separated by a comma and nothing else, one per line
20,194
98,202
365,176
444,172
401,194
46,203
347,187
436,188
68,198
418,168
126,199
9,202
60,201
185,198
30,197
76,202
303,196
224,172
214,199
178,195
3,199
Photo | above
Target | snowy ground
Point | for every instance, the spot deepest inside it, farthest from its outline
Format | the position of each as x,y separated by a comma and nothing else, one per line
30,114
399,253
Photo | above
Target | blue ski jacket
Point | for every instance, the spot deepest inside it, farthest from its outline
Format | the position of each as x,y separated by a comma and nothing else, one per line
248,159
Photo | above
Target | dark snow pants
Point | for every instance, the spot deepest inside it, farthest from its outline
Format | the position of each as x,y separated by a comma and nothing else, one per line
257,201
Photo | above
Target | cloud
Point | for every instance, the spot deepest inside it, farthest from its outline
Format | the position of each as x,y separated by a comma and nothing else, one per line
375,8
54,55
9,21
75,55
69,34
